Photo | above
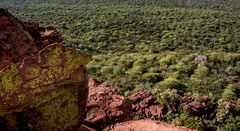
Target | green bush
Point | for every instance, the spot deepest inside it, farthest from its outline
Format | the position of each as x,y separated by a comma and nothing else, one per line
235,71
168,60
169,83
167,97
201,72
183,68
136,71
190,122
152,77
118,71
229,93
107,70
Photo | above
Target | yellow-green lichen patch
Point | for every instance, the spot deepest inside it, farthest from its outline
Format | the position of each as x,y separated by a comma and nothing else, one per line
42,86
36,91
44,78
34,83
62,112
21,98
3,105
32,72
73,62
43,98
9,79
56,72
3,112
54,56
79,76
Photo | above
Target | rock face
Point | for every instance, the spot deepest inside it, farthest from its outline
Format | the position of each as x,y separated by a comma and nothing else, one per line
105,106
43,84
144,103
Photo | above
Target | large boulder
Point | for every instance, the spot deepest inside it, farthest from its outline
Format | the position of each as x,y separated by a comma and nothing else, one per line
43,84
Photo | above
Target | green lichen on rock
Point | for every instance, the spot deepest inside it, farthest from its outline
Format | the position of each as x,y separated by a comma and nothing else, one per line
72,63
45,87
43,84
61,112
9,80
59,65
53,57
32,72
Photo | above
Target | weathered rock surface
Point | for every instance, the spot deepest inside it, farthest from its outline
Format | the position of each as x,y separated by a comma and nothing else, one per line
144,125
105,106
145,104
43,84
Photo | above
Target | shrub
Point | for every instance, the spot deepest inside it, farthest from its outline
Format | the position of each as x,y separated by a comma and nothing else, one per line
232,123
140,62
168,60
190,122
152,77
169,83
167,97
229,93
118,71
153,70
107,70
183,68
235,71
200,72
136,70
237,107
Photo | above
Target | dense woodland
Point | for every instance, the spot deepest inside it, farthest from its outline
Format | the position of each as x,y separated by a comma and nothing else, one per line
206,4
156,45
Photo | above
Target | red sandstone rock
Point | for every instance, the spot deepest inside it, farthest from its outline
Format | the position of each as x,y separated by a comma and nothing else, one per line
157,111
43,84
96,115
105,105
145,103
20,39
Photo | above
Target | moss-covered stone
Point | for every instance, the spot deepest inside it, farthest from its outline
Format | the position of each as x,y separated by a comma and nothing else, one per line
9,79
61,112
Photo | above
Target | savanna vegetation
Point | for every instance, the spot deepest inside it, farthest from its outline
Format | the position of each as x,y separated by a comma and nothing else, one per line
157,45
